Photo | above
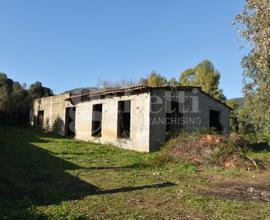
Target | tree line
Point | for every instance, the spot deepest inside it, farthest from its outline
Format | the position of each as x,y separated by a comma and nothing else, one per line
16,99
204,75
207,77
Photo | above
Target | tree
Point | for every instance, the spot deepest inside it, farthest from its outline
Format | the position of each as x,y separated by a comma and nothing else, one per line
19,103
173,82
234,125
4,92
206,76
254,26
36,90
154,79
15,100
245,125
187,78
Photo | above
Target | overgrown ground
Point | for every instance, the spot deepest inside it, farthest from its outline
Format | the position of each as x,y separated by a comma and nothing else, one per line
49,177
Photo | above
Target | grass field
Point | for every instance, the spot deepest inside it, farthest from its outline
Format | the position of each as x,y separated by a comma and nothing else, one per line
49,177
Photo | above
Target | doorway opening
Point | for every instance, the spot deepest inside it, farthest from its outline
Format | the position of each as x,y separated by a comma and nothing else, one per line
214,120
123,130
97,120
40,119
70,121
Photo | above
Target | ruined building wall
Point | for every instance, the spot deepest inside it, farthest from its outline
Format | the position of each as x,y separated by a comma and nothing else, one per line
195,107
148,129
139,123
54,112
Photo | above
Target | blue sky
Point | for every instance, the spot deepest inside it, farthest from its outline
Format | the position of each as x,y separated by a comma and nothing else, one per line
67,44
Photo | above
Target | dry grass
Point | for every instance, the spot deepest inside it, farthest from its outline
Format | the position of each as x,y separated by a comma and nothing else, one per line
206,150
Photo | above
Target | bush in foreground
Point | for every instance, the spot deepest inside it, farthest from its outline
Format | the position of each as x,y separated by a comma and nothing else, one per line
202,149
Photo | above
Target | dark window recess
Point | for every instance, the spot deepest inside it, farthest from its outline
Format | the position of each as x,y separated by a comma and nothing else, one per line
188,105
70,121
123,119
97,120
40,119
174,120
214,120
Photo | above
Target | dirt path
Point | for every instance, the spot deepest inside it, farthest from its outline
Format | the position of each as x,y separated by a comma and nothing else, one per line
254,187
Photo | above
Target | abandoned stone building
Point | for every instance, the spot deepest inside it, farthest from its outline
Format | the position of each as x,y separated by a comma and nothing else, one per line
139,118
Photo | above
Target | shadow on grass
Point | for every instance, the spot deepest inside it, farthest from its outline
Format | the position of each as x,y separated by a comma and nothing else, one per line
31,176
259,147
132,166
134,188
